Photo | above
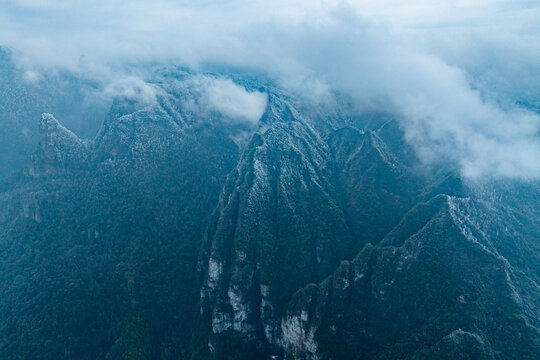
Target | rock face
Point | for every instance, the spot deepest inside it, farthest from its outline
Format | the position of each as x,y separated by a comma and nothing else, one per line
277,212
177,233
298,203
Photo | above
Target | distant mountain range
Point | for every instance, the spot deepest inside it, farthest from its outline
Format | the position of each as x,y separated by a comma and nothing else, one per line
178,234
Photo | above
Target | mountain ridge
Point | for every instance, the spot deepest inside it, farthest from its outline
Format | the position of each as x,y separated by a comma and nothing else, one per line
173,239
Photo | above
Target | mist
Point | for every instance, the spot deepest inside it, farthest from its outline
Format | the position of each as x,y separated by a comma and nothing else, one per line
462,79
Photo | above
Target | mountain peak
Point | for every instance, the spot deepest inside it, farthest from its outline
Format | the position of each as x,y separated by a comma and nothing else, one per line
49,126
47,119
58,149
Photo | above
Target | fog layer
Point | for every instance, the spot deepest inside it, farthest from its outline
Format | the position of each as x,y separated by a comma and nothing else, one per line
462,79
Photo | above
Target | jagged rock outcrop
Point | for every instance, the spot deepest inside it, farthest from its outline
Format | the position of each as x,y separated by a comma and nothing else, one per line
59,150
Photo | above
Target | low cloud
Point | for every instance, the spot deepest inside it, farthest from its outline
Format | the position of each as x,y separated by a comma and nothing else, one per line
463,78
208,96
234,101
32,77
133,88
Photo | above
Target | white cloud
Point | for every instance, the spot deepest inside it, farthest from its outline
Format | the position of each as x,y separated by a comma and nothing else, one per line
204,94
450,70
132,88
234,101
32,77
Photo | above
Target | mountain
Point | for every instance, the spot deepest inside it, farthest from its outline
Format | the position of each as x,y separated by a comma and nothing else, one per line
430,289
100,238
179,232
298,204
25,95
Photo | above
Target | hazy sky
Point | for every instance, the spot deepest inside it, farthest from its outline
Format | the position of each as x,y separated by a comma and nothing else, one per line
453,70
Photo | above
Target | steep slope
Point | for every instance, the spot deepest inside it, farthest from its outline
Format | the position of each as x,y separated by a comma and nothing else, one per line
99,240
372,181
295,206
59,150
276,212
430,289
